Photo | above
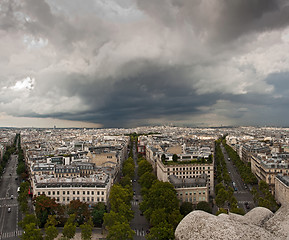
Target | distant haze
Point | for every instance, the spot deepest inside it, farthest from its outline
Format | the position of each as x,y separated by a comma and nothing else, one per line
126,63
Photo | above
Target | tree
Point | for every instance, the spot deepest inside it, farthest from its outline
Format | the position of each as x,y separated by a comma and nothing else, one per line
186,208
119,195
163,157
237,210
162,231
126,181
98,213
128,169
29,218
51,231
204,206
160,195
20,168
69,227
86,230
143,167
120,231
221,210
158,215
31,232
80,209
44,206
112,218
221,197
125,210
147,179
175,157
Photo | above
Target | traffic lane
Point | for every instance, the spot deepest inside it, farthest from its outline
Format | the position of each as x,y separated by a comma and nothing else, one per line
10,219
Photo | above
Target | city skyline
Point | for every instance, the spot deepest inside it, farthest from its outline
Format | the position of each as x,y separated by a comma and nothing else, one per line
131,63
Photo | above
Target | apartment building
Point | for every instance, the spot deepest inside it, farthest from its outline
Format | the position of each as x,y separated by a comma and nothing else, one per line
267,168
91,189
192,190
282,189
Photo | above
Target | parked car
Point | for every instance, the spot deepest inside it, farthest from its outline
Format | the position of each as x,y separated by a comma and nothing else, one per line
9,209
12,196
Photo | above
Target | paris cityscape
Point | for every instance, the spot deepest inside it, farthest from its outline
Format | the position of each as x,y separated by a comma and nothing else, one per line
130,119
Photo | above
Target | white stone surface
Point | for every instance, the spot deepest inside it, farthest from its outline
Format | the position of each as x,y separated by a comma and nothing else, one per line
260,223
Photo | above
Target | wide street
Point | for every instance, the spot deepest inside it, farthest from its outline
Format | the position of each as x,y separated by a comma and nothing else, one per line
242,192
139,223
8,202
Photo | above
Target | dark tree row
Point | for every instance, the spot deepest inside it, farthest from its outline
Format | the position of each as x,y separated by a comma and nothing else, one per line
160,204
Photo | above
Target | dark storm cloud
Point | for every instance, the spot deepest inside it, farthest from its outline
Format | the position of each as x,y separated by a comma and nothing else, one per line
131,62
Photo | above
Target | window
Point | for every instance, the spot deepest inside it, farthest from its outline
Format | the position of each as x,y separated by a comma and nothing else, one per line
87,192
88,199
83,199
92,199
102,199
77,192
92,192
63,192
38,193
67,192
97,192
73,192
57,199
48,192
53,193
83,192
57,192
63,199
102,193
67,199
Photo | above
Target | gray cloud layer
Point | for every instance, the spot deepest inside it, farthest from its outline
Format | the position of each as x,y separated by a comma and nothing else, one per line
132,62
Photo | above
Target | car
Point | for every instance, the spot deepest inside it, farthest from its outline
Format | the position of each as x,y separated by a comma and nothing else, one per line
247,205
10,174
12,196
16,178
133,192
9,209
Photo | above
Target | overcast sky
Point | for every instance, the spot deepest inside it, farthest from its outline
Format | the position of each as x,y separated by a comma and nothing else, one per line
127,63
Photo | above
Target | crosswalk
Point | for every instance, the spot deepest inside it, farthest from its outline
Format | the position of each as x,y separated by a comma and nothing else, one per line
134,203
11,234
245,201
9,205
5,198
241,192
139,232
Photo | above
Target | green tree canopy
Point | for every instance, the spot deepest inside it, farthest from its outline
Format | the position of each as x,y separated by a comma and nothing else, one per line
186,208
86,230
143,167
120,231
162,231
31,232
119,195
69,228
51,231
97,214
205,206
147,179
80,209
44,206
